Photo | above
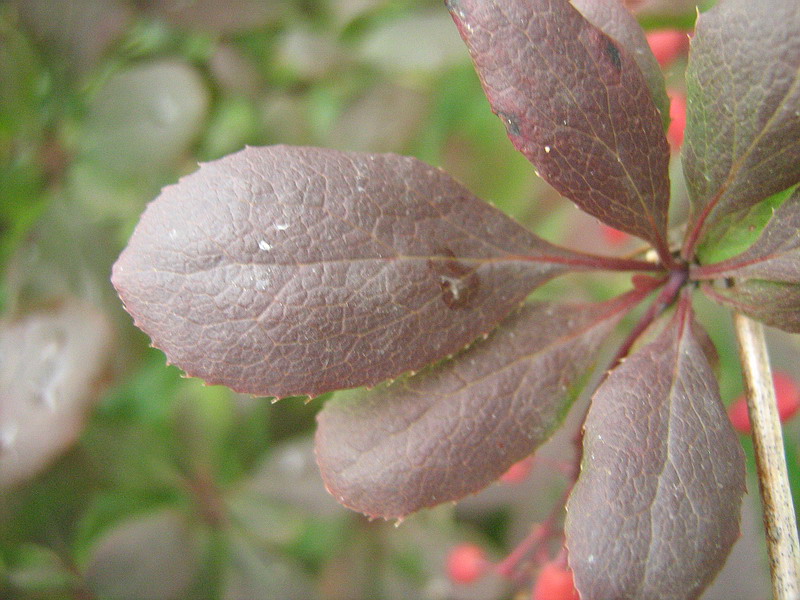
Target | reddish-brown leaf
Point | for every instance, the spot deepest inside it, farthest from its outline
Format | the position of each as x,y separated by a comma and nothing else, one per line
617,22
285,271
576,104
773,303
656,509
454,429
743,114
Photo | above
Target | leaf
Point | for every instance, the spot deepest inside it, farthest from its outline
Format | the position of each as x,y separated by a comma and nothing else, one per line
286,271
775,255
576,104
145,117
254,572
152,556
49,365
289,476
656,508
37,569
454,429
736,232
617,22
211,17
773,303
743,116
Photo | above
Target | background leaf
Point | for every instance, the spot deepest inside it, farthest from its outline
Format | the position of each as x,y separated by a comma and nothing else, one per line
145,117
151,557
656,508
451,431
49,365
576,104
284,271
743,113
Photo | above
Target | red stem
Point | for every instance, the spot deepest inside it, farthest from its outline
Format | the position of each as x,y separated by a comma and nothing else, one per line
662,249
540,533
713,270
596,262
673,286
510,567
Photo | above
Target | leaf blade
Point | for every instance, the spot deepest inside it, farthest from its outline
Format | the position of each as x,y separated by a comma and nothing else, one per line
560,84
743,113
413,444
774,256
294,271
655,510
773,303
615,20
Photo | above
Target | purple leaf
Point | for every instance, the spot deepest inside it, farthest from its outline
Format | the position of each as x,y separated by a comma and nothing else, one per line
576,104
773,303
774,256
287,271
454,429
656,509
743,115
617,22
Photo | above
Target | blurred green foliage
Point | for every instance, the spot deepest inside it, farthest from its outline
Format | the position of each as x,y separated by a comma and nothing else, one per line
173,489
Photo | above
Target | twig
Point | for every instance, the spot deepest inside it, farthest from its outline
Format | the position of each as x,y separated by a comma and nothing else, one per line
779,517
539,534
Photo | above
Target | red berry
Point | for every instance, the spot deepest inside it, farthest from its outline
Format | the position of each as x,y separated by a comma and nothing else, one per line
518,472
613,237
667,45
466,563
787,396
677,115
554,583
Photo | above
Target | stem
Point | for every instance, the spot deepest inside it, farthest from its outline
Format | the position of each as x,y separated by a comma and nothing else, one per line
693,237
539,534
773,479
665,298
665,255
595,262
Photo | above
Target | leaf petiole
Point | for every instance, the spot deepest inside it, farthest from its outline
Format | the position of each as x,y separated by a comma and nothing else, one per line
672,286
595,262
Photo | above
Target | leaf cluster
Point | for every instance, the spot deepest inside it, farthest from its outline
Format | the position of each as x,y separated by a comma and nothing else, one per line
285,271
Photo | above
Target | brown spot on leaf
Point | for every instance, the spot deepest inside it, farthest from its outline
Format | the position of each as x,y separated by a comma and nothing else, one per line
458,281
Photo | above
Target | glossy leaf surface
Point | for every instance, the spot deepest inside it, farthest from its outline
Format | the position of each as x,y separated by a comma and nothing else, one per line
455,428
743,118
617,22
775,255
773,303
576,104
286,271
656,508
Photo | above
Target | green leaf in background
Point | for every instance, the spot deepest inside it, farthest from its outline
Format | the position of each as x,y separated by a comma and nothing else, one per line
36,569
